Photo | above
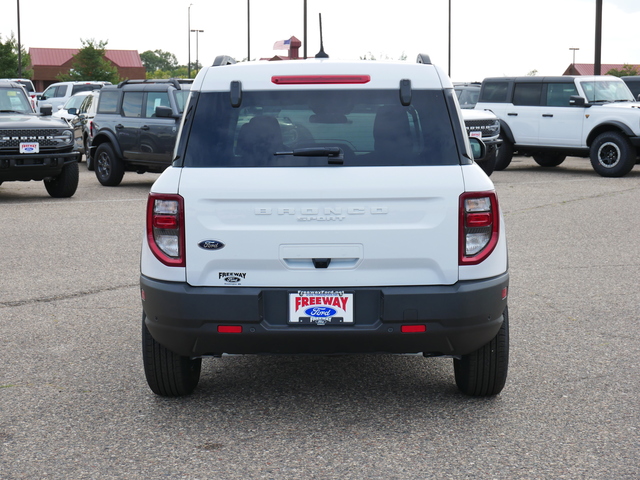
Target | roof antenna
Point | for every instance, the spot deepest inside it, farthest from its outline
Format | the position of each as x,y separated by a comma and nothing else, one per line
321,53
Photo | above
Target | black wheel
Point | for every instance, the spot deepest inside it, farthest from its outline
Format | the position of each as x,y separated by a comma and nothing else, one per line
488,165
87,155
483,373
505,154
109,168
612,155
65,184
168,374
549,159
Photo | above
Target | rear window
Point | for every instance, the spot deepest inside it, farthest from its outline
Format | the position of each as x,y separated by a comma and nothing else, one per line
273,128
85,88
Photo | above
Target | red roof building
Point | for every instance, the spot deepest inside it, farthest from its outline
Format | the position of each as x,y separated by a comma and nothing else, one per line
48,63
587,68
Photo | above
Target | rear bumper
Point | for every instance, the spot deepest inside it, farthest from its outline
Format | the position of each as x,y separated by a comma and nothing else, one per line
34,166
459,319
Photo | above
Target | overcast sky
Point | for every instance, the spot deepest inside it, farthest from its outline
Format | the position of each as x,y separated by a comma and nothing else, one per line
489,37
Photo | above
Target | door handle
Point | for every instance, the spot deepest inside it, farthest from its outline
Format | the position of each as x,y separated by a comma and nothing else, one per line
512,114
119,126
547,115
144,127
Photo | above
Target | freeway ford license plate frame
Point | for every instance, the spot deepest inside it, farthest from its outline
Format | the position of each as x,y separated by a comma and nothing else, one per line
29,147
321,307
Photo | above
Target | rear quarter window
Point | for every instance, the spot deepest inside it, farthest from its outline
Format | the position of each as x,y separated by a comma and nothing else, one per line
494,92
527,94
271,129
108,101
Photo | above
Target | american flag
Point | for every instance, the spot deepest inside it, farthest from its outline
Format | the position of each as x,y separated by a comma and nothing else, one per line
282,45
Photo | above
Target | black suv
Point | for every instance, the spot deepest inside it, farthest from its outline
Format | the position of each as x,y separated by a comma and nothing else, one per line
633,82
35,147
135,127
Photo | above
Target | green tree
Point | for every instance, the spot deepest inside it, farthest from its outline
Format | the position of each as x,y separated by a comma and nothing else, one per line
158,60
90,64
627,70
9,60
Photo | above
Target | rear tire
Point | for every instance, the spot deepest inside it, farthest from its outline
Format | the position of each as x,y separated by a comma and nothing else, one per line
549,159
505,155
483,373
65,184
612,155
168,374
109,168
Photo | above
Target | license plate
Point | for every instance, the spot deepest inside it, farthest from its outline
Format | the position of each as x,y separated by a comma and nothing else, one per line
31,147
324,307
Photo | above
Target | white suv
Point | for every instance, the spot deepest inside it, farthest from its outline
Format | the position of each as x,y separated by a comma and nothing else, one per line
324,207
552,117
58,93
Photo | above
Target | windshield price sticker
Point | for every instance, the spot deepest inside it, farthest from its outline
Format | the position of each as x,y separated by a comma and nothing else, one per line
321,308
31,147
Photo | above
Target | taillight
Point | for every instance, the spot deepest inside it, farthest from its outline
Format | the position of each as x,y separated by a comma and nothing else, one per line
479,226
165,228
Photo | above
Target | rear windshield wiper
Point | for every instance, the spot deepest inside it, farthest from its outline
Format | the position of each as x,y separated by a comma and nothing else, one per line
335,154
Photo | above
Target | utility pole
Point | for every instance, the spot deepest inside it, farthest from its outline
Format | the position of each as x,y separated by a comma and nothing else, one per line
597,66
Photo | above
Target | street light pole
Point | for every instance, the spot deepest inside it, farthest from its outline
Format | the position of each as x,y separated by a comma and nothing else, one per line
449,73
597,64
189,42
574,54
248,30
19,45
197,32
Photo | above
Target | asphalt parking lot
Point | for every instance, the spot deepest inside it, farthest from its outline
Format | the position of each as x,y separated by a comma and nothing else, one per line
74,403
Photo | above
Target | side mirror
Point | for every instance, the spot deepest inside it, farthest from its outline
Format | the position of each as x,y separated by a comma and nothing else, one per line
46,110
478,148
577,101
72,111
165,112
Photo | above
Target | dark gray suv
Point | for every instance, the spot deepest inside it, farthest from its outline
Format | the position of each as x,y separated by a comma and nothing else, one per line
135,127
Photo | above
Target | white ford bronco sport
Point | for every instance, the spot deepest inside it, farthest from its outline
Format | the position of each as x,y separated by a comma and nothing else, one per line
552,117
324,207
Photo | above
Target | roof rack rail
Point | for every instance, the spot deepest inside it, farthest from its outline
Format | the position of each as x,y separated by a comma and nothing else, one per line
223,60
174,81
424,58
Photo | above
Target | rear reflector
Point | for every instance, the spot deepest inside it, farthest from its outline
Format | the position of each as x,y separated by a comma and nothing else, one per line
413,328
319,79
229,328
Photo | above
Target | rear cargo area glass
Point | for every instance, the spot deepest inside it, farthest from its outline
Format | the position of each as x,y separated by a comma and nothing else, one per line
271,129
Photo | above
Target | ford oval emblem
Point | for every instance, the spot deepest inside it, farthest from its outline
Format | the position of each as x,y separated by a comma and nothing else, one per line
211,245
320,312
